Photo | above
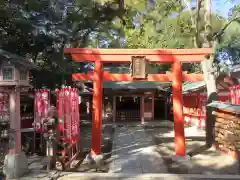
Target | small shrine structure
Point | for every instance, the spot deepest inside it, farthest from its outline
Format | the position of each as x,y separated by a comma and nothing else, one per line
14,78
195,98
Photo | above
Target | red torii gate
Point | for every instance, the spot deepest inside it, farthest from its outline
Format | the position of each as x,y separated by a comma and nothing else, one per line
174,56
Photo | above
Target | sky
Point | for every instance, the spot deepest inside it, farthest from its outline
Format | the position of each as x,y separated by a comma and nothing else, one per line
222,7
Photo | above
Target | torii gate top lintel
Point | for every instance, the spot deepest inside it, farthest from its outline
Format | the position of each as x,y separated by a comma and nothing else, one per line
124,55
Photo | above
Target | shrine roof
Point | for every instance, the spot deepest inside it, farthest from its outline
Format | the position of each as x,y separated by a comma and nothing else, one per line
225,106
135,85
192,86
16,59
235,71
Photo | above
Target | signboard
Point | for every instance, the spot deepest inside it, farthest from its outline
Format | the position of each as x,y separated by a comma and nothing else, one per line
139,67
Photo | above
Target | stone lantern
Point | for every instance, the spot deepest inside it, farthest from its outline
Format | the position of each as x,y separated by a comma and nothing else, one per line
14,78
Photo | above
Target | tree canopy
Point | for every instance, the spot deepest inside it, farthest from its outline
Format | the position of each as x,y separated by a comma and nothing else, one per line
40,29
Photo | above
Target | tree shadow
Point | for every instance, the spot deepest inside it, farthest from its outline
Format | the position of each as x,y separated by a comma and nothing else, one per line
201,159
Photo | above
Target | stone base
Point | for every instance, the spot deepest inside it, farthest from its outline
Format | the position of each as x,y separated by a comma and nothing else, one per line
93,162
15,165
97,159
180,158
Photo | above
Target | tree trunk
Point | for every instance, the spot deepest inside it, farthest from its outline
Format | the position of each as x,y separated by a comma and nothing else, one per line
207,64
209,76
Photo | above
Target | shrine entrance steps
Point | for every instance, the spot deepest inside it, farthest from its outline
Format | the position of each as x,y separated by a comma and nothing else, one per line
133,151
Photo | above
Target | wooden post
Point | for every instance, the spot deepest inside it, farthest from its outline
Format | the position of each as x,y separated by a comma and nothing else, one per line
178,109
97,109
142,109
166,108
15,120
153,107
114,109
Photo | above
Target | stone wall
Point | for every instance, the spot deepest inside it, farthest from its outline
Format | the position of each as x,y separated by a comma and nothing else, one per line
227,129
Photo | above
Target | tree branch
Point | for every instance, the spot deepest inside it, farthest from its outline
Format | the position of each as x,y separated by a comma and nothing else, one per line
194,23
199,3
220,33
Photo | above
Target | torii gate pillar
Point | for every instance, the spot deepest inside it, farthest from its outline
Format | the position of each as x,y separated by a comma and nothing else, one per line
97,109
178,109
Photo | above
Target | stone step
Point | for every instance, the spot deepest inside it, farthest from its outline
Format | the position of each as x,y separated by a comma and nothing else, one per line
129,176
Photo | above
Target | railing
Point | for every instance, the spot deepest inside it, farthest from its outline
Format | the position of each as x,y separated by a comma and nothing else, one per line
127,115
85,116
198,118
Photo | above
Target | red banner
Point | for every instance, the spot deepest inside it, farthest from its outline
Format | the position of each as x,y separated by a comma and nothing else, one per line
68,113
4,106
41,108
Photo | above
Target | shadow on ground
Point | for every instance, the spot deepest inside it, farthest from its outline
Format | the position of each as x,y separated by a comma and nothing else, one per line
85,144
201,159
150,149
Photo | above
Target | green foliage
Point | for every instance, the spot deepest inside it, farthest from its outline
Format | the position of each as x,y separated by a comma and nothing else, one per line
228,47
167,24
40,29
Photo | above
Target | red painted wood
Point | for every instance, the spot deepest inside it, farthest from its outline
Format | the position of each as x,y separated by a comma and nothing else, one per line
128,58
138,52
126,115
127,77
178,109
27,123
97,109
125,55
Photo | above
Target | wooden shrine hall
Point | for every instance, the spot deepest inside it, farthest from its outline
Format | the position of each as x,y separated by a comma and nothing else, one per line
139,60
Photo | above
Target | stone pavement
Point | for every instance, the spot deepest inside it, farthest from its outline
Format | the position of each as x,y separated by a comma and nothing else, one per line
41,175
134,152
130,176
135,156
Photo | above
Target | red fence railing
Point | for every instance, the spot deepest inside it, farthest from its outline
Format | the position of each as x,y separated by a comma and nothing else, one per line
235,94
127,115
197,115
